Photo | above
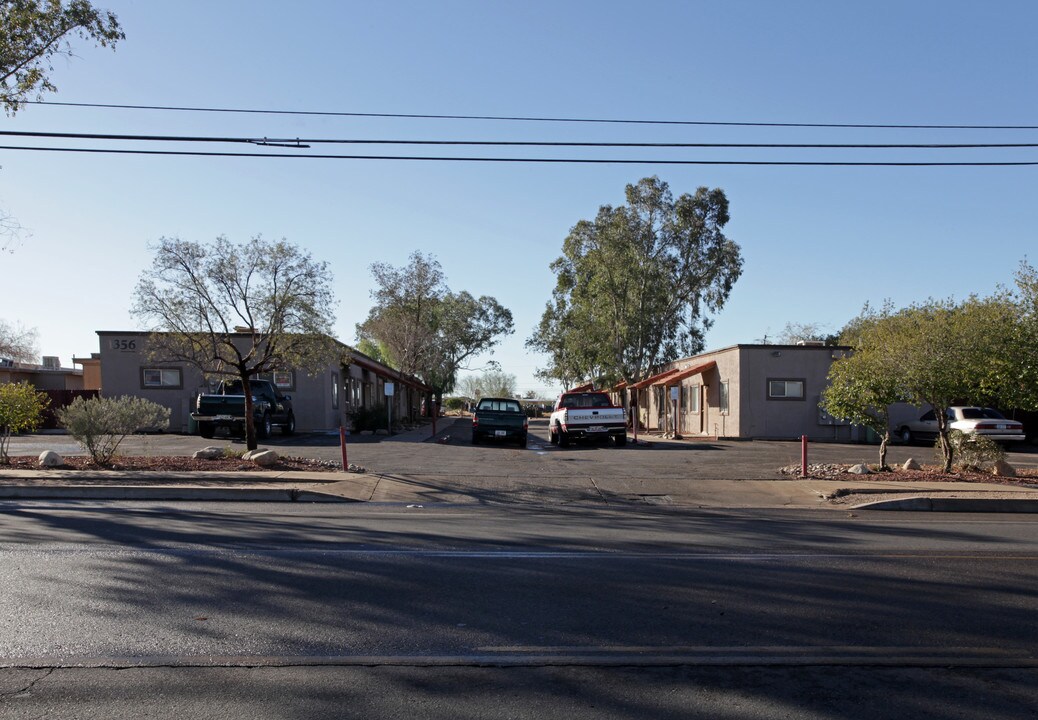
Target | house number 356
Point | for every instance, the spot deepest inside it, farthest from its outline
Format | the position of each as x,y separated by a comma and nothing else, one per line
124,344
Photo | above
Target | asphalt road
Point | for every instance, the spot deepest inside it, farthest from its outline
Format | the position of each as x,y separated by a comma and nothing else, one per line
333,611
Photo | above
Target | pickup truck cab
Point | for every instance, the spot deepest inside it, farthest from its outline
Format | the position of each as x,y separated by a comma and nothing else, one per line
499,418
226,408
586,415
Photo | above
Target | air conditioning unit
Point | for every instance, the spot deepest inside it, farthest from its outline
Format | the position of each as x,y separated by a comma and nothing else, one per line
51,362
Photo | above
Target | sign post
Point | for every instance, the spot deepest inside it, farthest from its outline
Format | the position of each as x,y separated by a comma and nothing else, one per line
389,407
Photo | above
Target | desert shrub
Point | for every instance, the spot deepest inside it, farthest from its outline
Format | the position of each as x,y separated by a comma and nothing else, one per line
101,424
372,418
974,452
454,403
21,410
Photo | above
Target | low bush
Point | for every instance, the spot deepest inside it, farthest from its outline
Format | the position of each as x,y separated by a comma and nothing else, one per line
21,410
101,424
373,418
973,452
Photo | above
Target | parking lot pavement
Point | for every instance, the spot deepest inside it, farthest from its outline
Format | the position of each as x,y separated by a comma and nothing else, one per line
421,466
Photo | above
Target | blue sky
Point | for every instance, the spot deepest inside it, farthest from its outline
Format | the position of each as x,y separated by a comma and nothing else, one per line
818,242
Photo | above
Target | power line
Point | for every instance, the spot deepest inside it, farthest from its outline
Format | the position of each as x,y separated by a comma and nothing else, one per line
306,142
522,118
586,161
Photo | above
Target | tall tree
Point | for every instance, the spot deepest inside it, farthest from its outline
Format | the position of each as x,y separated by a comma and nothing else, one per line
426,329
238,310
634,286
32,32
466,328
403,318
489,383
18,343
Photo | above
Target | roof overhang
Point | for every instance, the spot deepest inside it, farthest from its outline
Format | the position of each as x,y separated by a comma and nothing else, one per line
686,373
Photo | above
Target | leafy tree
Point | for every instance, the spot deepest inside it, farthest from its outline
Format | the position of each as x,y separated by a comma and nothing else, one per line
403,318
238,310
21,410
466,327
490,383
18,343
32,32
426,329
940,353
101,424
861,389
634,285
375,351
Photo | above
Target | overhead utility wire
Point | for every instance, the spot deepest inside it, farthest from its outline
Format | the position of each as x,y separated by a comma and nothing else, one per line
593,161
305,142
520,118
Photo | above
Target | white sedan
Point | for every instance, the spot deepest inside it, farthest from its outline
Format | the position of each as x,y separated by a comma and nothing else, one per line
969,419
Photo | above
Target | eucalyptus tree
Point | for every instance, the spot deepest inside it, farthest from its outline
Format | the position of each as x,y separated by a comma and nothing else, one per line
238,310
32,32
636,285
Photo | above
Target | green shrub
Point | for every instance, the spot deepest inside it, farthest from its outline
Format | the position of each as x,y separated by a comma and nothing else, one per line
21,410
454,403
974,452
373,418
101,424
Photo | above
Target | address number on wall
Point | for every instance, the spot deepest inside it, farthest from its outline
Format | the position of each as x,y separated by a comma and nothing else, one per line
123,344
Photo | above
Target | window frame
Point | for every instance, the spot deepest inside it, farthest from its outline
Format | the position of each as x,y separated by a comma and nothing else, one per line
802,397
692,399
724,398
161,385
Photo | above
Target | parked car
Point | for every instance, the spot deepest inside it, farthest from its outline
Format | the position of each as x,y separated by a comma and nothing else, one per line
969,419
499,418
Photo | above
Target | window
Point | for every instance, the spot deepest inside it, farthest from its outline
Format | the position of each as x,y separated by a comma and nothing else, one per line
161,378
692,399
723,399
335,391
785,389
282,379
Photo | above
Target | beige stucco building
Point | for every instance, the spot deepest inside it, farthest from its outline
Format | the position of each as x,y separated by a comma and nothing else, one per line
743,391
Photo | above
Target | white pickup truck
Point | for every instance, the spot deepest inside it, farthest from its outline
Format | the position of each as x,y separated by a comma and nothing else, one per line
579,415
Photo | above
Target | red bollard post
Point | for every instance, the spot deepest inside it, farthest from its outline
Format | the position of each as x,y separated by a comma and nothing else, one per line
803,456
342,445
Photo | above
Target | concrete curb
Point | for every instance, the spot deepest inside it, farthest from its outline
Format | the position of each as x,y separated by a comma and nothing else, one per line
938,504
167,493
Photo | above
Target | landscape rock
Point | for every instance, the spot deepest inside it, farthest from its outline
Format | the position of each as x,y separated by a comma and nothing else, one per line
381,431
49,459
264,458
1003,469
366,432
859,469
208,453
911,464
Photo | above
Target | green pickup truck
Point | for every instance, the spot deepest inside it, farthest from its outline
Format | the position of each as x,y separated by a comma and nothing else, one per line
226,408
500,419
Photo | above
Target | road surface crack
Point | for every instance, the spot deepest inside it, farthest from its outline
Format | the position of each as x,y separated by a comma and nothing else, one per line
27,690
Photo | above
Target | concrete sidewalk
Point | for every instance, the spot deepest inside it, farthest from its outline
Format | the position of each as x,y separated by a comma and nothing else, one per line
369,487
